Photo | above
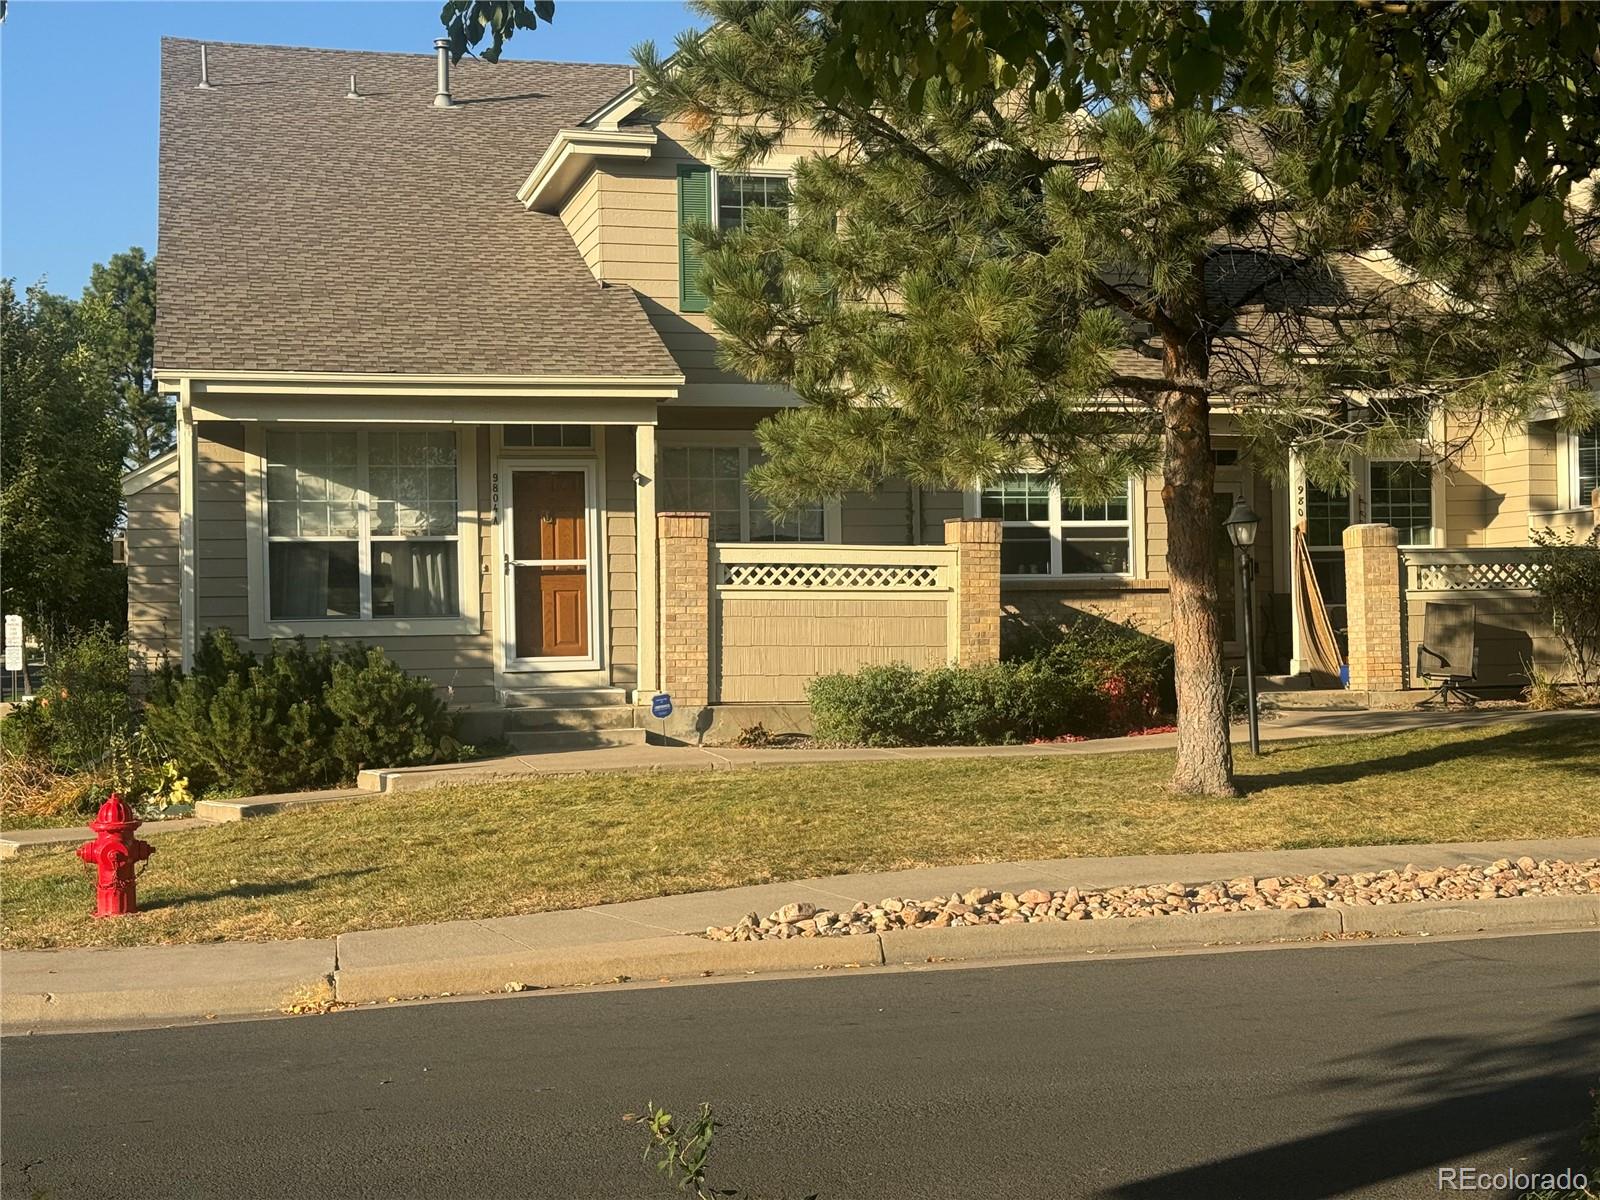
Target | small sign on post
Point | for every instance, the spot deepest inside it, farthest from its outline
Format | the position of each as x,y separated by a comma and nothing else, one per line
661,708
16,660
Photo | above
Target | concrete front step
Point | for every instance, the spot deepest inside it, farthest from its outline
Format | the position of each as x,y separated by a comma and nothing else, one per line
538,741
529,720
564,697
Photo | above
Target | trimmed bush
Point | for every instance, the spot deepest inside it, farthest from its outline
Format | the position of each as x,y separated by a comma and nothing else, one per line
1084,680
897,705
298,718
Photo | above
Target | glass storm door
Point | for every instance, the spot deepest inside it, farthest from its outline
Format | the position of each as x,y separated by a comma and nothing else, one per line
547,564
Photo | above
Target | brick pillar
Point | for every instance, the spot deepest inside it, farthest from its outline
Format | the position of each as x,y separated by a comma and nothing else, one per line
975,611
685,618
1373,599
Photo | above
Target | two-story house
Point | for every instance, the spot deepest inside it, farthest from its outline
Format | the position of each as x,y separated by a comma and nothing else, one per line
441,365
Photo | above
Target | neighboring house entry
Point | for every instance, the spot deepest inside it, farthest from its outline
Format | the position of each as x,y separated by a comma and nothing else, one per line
549,564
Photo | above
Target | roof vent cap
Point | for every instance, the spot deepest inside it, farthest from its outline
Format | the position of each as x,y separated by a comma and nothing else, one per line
442,99
205,72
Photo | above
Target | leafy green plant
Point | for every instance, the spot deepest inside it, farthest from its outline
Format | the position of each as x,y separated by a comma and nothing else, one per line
82,705
682,1152
1567,578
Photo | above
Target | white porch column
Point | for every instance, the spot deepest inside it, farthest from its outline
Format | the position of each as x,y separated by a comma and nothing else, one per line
644,454
188,614
1297,521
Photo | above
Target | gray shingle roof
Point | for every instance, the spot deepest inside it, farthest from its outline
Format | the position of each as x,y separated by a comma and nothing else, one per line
303,231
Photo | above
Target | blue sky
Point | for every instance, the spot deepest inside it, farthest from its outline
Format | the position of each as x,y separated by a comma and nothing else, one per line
78,99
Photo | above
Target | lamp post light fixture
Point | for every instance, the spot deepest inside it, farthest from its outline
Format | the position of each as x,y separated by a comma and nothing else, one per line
1242,525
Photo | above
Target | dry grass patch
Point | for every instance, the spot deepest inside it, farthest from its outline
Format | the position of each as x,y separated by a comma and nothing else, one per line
508,848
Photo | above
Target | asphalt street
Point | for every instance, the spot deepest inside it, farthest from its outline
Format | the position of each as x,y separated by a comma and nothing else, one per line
1352,1069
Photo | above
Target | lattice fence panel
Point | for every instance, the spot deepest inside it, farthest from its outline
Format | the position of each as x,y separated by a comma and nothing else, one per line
1474,577
817,577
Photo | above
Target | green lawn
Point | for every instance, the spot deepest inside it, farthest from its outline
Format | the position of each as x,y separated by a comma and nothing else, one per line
516,848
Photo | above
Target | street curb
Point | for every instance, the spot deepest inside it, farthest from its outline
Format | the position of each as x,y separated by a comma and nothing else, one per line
1108,934
67,989
1414,917
671,957
249,979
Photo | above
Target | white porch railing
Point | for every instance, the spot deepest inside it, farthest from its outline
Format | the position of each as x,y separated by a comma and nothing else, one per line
1491,569
813,567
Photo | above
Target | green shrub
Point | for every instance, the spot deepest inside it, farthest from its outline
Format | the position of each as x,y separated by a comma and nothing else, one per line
1567,576
383,717
897,705
1089,678
1130,672
81,708
298,718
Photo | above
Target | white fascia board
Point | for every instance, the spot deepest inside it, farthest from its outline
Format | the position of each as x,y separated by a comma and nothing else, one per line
618,109
569,152
163,466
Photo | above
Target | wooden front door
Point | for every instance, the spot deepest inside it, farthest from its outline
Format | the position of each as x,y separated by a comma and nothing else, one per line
549,564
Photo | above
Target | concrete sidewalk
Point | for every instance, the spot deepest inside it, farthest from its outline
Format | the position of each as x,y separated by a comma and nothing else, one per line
658,938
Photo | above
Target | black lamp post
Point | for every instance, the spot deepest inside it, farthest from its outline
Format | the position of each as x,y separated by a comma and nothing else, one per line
1242,524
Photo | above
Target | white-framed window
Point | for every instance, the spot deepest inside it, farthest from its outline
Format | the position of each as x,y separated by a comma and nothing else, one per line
709,476
740,194
1044,532
1400,493
547,437
363,531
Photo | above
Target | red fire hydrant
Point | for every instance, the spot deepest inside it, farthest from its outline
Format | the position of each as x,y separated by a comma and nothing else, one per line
115,853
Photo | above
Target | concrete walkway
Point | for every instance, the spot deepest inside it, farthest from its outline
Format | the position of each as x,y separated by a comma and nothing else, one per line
657,938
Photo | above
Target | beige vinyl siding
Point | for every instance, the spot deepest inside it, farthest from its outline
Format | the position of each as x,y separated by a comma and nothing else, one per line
222,587
460,666
155,574
581,215
882,518
771,648
1155,529
638,240
1515,473
621,550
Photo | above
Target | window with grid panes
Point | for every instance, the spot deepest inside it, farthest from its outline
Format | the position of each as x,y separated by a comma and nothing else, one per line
1046,533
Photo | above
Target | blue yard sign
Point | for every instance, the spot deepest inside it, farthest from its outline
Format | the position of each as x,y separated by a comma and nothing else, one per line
661,706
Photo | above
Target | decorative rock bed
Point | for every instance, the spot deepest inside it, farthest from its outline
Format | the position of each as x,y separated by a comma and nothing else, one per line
984,906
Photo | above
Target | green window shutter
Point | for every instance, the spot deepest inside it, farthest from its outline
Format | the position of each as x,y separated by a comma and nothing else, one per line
694,204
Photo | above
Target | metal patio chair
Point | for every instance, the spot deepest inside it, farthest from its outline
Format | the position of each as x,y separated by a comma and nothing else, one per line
1448,653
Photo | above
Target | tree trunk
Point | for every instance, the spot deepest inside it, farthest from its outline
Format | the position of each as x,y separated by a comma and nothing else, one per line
1205,754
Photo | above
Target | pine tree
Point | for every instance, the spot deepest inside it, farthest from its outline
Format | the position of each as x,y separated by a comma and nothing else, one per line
1074,278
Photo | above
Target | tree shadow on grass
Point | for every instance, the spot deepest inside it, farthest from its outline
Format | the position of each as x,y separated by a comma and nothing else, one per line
249,891
1444,1101
1570,745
